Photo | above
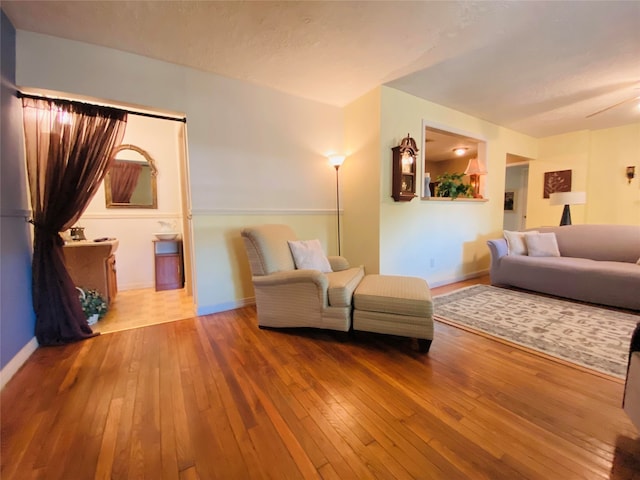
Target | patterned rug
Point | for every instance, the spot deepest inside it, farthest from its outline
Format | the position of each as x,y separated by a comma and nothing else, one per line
592,337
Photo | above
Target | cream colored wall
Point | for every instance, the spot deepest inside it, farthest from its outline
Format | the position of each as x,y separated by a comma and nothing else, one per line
611,199
360,177
561,152
134,227
251,149
219,244
435,240
597,160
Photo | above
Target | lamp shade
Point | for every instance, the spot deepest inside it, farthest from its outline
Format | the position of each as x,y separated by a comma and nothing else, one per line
475,167
336,160
568,198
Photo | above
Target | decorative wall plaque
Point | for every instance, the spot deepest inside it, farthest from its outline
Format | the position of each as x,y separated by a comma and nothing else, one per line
559,181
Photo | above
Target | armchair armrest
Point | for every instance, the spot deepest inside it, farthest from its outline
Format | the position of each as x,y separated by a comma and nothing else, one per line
292,276
338,263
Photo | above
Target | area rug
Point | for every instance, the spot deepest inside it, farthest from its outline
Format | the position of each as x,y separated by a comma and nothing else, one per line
589,336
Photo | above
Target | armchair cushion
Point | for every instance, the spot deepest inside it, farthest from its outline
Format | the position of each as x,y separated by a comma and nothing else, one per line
342,284
308,254
267,248
341,263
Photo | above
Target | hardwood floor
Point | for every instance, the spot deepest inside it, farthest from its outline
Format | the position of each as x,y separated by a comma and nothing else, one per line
216,397
143,307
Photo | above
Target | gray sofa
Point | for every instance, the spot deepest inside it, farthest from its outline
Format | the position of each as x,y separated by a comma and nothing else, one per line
597,264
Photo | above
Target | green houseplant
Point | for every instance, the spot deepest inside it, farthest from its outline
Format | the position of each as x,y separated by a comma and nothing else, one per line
451,186
93,305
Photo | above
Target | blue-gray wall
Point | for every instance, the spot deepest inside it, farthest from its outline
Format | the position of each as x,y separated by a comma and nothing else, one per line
17,319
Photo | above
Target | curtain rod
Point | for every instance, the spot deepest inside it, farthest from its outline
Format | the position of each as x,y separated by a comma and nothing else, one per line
132,112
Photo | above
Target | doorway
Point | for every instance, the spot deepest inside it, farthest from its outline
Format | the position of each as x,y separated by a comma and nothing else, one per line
515,193
163,136
138,304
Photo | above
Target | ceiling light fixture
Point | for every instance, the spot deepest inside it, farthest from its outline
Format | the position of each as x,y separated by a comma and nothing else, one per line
460,151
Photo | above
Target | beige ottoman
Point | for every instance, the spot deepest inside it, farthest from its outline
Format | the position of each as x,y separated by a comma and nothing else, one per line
394,305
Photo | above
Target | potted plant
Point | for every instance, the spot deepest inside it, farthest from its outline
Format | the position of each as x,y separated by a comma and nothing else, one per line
93,305
451,186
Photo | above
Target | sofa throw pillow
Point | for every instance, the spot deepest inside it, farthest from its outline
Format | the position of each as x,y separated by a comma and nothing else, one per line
542,244
308,254
515,242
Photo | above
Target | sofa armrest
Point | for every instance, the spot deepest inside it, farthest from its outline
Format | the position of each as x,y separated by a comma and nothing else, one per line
498,248
338,263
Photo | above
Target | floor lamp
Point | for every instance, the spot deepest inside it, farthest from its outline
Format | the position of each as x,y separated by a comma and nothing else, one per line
336,161
566,199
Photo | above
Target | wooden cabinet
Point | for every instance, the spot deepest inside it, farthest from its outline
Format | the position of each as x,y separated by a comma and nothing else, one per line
92,265
112,280
403,188
168,262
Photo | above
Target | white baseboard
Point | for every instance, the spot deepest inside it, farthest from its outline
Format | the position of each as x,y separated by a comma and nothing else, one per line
135,286
17,361
458,278
223,307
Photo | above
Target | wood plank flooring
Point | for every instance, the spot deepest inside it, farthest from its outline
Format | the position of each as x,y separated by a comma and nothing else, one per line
143,307
215,397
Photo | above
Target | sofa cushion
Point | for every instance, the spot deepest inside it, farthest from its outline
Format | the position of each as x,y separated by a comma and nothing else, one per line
607,283
542,244
342,284
308,254
516,244
616,243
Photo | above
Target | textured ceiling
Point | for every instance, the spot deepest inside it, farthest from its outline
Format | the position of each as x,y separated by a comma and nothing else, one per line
536,67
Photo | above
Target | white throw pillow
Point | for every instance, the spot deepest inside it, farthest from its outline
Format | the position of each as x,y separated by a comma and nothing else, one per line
542,244
308,254
515,242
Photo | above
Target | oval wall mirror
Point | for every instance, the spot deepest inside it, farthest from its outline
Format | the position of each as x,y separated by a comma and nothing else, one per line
131,180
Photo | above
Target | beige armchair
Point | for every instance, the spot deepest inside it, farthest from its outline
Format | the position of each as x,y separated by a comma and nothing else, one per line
286,297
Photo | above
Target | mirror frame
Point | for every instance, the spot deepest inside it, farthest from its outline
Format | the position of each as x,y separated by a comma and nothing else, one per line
154,184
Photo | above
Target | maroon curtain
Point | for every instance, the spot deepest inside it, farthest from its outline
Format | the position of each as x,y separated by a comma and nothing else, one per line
124,178
68,151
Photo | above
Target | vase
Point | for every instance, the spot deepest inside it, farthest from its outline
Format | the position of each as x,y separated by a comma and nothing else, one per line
93,319
427,190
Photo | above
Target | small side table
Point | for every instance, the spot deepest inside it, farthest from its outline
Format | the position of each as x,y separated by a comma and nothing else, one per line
169,266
